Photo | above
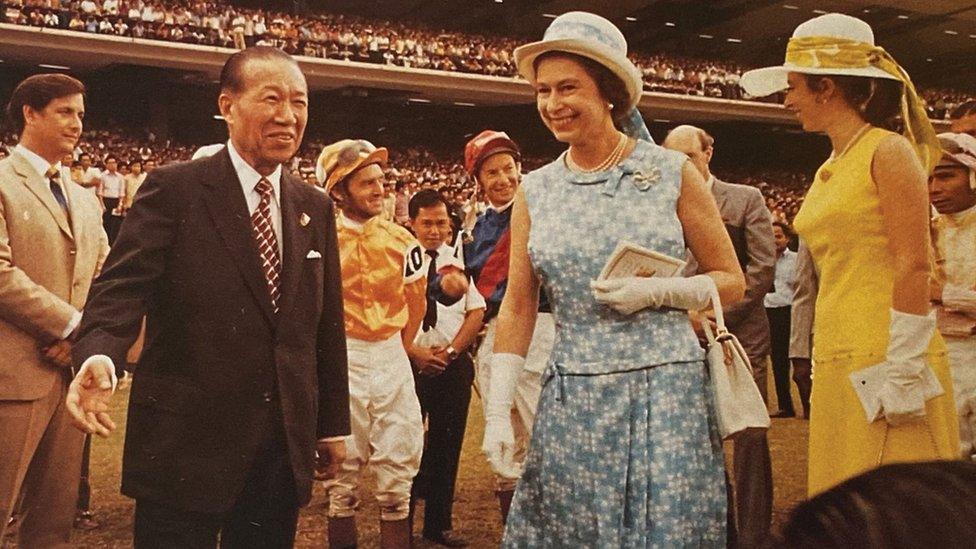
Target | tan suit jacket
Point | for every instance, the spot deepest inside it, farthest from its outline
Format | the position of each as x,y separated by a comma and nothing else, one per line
47,263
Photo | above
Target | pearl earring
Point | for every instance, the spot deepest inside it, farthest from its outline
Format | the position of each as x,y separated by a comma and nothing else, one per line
610,105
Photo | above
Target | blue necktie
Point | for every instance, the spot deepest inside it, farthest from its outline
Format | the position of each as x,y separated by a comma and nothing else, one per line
54,180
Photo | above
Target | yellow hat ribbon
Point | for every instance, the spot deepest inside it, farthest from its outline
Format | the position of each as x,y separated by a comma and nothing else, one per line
826,52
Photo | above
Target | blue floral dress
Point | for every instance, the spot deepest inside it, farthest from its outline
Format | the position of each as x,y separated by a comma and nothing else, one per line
624,450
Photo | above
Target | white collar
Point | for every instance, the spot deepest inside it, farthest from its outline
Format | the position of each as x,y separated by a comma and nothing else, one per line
40,165
961,217
502,208
351,224
249,177
444,250
710,182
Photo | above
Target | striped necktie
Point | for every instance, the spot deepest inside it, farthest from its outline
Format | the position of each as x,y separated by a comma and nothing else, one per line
267,242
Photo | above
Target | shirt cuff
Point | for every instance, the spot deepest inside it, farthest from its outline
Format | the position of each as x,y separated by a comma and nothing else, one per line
108,362
333,439
72,325
959,298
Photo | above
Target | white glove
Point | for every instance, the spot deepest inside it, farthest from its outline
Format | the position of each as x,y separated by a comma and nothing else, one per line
903,393
631,294
499,441
959,299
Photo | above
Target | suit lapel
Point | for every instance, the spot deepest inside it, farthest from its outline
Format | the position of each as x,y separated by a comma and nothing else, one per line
76,194
296,238
228,208
39,186
718,191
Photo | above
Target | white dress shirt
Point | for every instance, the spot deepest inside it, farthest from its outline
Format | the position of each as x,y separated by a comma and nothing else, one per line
784,283
249,178
450,317
113,185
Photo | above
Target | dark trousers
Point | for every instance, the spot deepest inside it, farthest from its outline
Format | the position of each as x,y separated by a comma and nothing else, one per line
265,514
444,403
112,223
752,487
779,334
84,486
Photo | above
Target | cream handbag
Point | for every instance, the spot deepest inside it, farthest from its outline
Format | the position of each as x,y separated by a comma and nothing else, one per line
738,403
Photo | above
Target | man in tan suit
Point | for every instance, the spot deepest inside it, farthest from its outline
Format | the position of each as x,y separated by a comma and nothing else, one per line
51,247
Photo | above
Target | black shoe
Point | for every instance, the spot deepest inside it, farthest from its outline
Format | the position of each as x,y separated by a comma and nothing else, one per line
84,520
447,538
783,413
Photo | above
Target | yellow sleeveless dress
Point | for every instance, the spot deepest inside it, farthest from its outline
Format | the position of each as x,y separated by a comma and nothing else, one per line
841,223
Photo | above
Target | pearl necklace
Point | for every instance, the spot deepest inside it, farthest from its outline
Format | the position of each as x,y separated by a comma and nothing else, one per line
615,156
853,141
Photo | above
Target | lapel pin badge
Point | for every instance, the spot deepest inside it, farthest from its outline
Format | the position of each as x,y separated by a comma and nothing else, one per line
304,219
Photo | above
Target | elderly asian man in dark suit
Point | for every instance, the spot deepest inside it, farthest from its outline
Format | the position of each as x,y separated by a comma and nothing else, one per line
242,382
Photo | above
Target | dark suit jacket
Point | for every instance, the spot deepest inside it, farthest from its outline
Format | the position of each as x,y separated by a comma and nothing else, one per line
217,360
750,226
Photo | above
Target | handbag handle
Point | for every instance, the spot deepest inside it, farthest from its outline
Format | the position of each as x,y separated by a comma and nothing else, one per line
717,308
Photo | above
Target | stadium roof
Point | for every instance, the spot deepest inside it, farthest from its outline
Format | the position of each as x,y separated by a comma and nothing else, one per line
934,39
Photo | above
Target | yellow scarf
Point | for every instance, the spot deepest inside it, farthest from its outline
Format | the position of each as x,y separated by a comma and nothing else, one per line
837,53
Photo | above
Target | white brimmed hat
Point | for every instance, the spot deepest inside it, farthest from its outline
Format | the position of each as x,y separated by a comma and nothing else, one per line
769,80
590,36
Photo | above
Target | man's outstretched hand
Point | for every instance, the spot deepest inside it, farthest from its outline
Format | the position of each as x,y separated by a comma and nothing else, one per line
89,395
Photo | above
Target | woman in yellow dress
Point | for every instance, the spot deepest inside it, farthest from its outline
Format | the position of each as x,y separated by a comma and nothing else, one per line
865,220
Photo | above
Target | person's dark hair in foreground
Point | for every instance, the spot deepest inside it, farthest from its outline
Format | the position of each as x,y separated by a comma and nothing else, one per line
910,505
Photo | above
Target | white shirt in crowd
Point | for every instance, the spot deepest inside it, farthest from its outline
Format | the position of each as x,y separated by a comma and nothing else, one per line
785,282
113,185
450,318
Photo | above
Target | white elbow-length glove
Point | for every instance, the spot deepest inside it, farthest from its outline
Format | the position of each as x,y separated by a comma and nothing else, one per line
631,294
903,393
499,441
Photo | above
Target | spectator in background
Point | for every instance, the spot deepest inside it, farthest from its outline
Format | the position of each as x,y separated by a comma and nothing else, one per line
777,303
133,180
112,192
964,118
91,177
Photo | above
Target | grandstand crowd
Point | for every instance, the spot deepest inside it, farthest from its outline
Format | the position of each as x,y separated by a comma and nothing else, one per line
310,310
352,38
411,169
